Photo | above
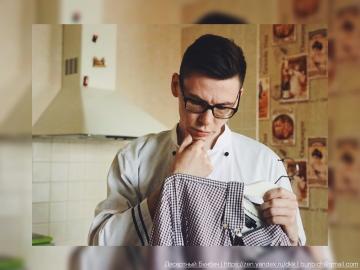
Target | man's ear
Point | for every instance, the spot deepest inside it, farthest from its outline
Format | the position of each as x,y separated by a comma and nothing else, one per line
241,91
175,84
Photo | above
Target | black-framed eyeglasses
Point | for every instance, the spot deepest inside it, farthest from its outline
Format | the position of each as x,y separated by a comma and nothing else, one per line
218,110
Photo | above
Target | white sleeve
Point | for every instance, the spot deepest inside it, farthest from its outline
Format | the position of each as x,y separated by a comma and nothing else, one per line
129,228
123,218
284,182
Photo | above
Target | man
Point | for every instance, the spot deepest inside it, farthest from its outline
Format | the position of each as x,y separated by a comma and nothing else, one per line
208,88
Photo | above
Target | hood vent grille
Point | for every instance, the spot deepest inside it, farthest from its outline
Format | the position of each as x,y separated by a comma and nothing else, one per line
71,66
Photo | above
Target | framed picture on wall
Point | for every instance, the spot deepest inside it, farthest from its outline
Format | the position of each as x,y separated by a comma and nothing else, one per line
283,127
293,79
297,169
347,157
346,30
264,98
318,53
302,12
283,33
317,171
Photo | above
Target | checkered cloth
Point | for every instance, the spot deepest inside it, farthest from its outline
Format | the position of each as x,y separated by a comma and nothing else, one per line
195,211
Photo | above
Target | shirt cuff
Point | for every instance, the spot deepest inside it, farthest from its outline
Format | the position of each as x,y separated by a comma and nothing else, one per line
145,218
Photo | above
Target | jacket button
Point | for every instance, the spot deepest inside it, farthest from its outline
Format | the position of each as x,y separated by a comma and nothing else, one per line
174,153
226,154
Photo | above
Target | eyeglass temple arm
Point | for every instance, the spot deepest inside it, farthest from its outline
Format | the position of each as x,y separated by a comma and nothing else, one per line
283,176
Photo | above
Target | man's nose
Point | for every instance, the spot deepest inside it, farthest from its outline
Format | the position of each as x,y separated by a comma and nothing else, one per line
205,118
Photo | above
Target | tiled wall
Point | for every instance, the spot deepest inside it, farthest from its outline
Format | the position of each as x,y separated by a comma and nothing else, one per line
15,195
69,180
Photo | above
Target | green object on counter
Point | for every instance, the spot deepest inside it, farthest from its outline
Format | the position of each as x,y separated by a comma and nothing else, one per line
41,240
9,263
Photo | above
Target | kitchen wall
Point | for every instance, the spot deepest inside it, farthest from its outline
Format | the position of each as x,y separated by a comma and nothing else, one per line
142,12
147,57
15,125
15,72
310,114
69,174
243,10
69,180
46,66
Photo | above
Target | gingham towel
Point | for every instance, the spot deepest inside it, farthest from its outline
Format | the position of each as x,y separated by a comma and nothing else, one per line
195,211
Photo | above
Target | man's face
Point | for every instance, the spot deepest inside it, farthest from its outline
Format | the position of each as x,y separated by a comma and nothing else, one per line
205,126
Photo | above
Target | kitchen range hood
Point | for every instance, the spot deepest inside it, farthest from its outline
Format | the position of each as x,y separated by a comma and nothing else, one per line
89,103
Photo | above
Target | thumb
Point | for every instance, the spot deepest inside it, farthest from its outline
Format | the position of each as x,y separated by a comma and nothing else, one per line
185,143
199,143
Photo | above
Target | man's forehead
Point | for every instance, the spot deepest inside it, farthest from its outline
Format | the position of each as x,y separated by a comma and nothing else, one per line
201,84
213,91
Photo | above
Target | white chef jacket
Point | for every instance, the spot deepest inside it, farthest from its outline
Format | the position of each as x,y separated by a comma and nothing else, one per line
142,165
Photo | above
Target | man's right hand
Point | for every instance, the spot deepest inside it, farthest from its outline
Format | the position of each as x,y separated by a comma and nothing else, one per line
192,158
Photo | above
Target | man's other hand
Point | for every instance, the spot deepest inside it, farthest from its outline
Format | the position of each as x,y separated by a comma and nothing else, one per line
280,207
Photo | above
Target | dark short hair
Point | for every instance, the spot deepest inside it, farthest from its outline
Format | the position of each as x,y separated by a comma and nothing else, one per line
215,57
220,18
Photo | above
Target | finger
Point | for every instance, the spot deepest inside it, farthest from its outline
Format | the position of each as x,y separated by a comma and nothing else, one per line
279,203
272,212
198,144
185,143
279,193
280,220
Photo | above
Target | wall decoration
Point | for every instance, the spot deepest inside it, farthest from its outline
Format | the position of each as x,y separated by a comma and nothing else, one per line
94,38
99,62
294,82
266,41
296,115
347,30
302,139
318,162
299,183
76,17
264,63
318,53
284,33
305,9
264,98
347,169
283,127
86,81
302,38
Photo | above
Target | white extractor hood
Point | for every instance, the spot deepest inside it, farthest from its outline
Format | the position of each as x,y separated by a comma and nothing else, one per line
89,103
